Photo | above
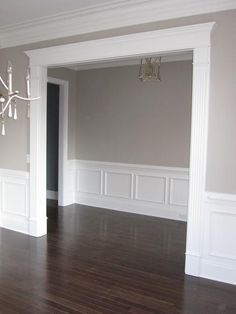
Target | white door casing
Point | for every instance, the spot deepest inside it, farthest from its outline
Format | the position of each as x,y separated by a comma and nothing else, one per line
194,38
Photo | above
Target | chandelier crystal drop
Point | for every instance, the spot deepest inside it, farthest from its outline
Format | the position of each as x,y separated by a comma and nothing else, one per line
150,69
8,97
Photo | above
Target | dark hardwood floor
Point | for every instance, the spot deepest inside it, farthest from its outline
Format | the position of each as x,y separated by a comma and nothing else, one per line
100,261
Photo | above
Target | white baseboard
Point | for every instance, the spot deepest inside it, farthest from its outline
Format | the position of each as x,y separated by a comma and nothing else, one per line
192,264
134,207
141,189
52,195
218,271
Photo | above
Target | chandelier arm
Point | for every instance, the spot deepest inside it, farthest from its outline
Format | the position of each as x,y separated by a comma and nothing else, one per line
7,104
24,98
16,96
3,83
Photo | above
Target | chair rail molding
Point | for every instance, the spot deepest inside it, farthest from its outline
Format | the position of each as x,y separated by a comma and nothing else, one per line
195,38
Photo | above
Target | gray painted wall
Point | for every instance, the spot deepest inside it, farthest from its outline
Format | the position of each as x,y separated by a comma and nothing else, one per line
120,119
221,166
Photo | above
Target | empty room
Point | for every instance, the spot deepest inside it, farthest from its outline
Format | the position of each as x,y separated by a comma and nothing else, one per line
117,172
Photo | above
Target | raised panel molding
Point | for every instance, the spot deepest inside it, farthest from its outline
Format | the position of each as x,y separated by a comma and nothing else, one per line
88,181
178,192
150,189
222,230
118,184
15,200
139,189
14,196
219,248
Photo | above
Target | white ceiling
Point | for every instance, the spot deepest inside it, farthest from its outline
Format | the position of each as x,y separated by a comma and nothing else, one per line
18,11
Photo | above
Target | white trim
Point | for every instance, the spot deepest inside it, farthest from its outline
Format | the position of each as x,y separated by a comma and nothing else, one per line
122,47
14,173
218,260
52,195
219,197
14,200
111,185
194,37
119,165
38,127
135,208
109,15
63,136
218,271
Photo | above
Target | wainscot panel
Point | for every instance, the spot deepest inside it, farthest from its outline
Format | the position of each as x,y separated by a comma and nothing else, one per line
140,189
219,255
14,200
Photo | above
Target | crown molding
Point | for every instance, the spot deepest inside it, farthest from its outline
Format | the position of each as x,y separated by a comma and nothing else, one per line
109,15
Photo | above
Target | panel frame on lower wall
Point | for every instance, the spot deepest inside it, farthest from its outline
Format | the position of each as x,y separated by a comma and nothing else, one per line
217,260
14,200
109,191
217,264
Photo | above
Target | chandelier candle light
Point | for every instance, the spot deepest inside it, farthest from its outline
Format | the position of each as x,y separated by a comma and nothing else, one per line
8,99
150,69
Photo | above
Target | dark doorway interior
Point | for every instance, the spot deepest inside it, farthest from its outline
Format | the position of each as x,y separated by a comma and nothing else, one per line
52,139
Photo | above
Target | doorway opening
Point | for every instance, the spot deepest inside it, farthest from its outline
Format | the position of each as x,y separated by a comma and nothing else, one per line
194,38
52,140
132,140
57,138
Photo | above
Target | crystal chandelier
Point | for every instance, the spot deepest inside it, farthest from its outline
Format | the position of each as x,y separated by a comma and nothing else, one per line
9,97
150,69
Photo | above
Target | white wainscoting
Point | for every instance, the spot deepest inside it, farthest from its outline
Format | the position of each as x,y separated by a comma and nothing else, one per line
155,191
219,251
140,189
14,200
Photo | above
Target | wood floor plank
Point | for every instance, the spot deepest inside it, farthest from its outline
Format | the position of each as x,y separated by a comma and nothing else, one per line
97,261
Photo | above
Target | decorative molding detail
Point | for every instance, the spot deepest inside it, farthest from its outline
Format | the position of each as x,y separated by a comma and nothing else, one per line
117,184
219,250
14,200
150,188
109,15
178,196
88,181
198,149
37,149
121,47
218,198
133,188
